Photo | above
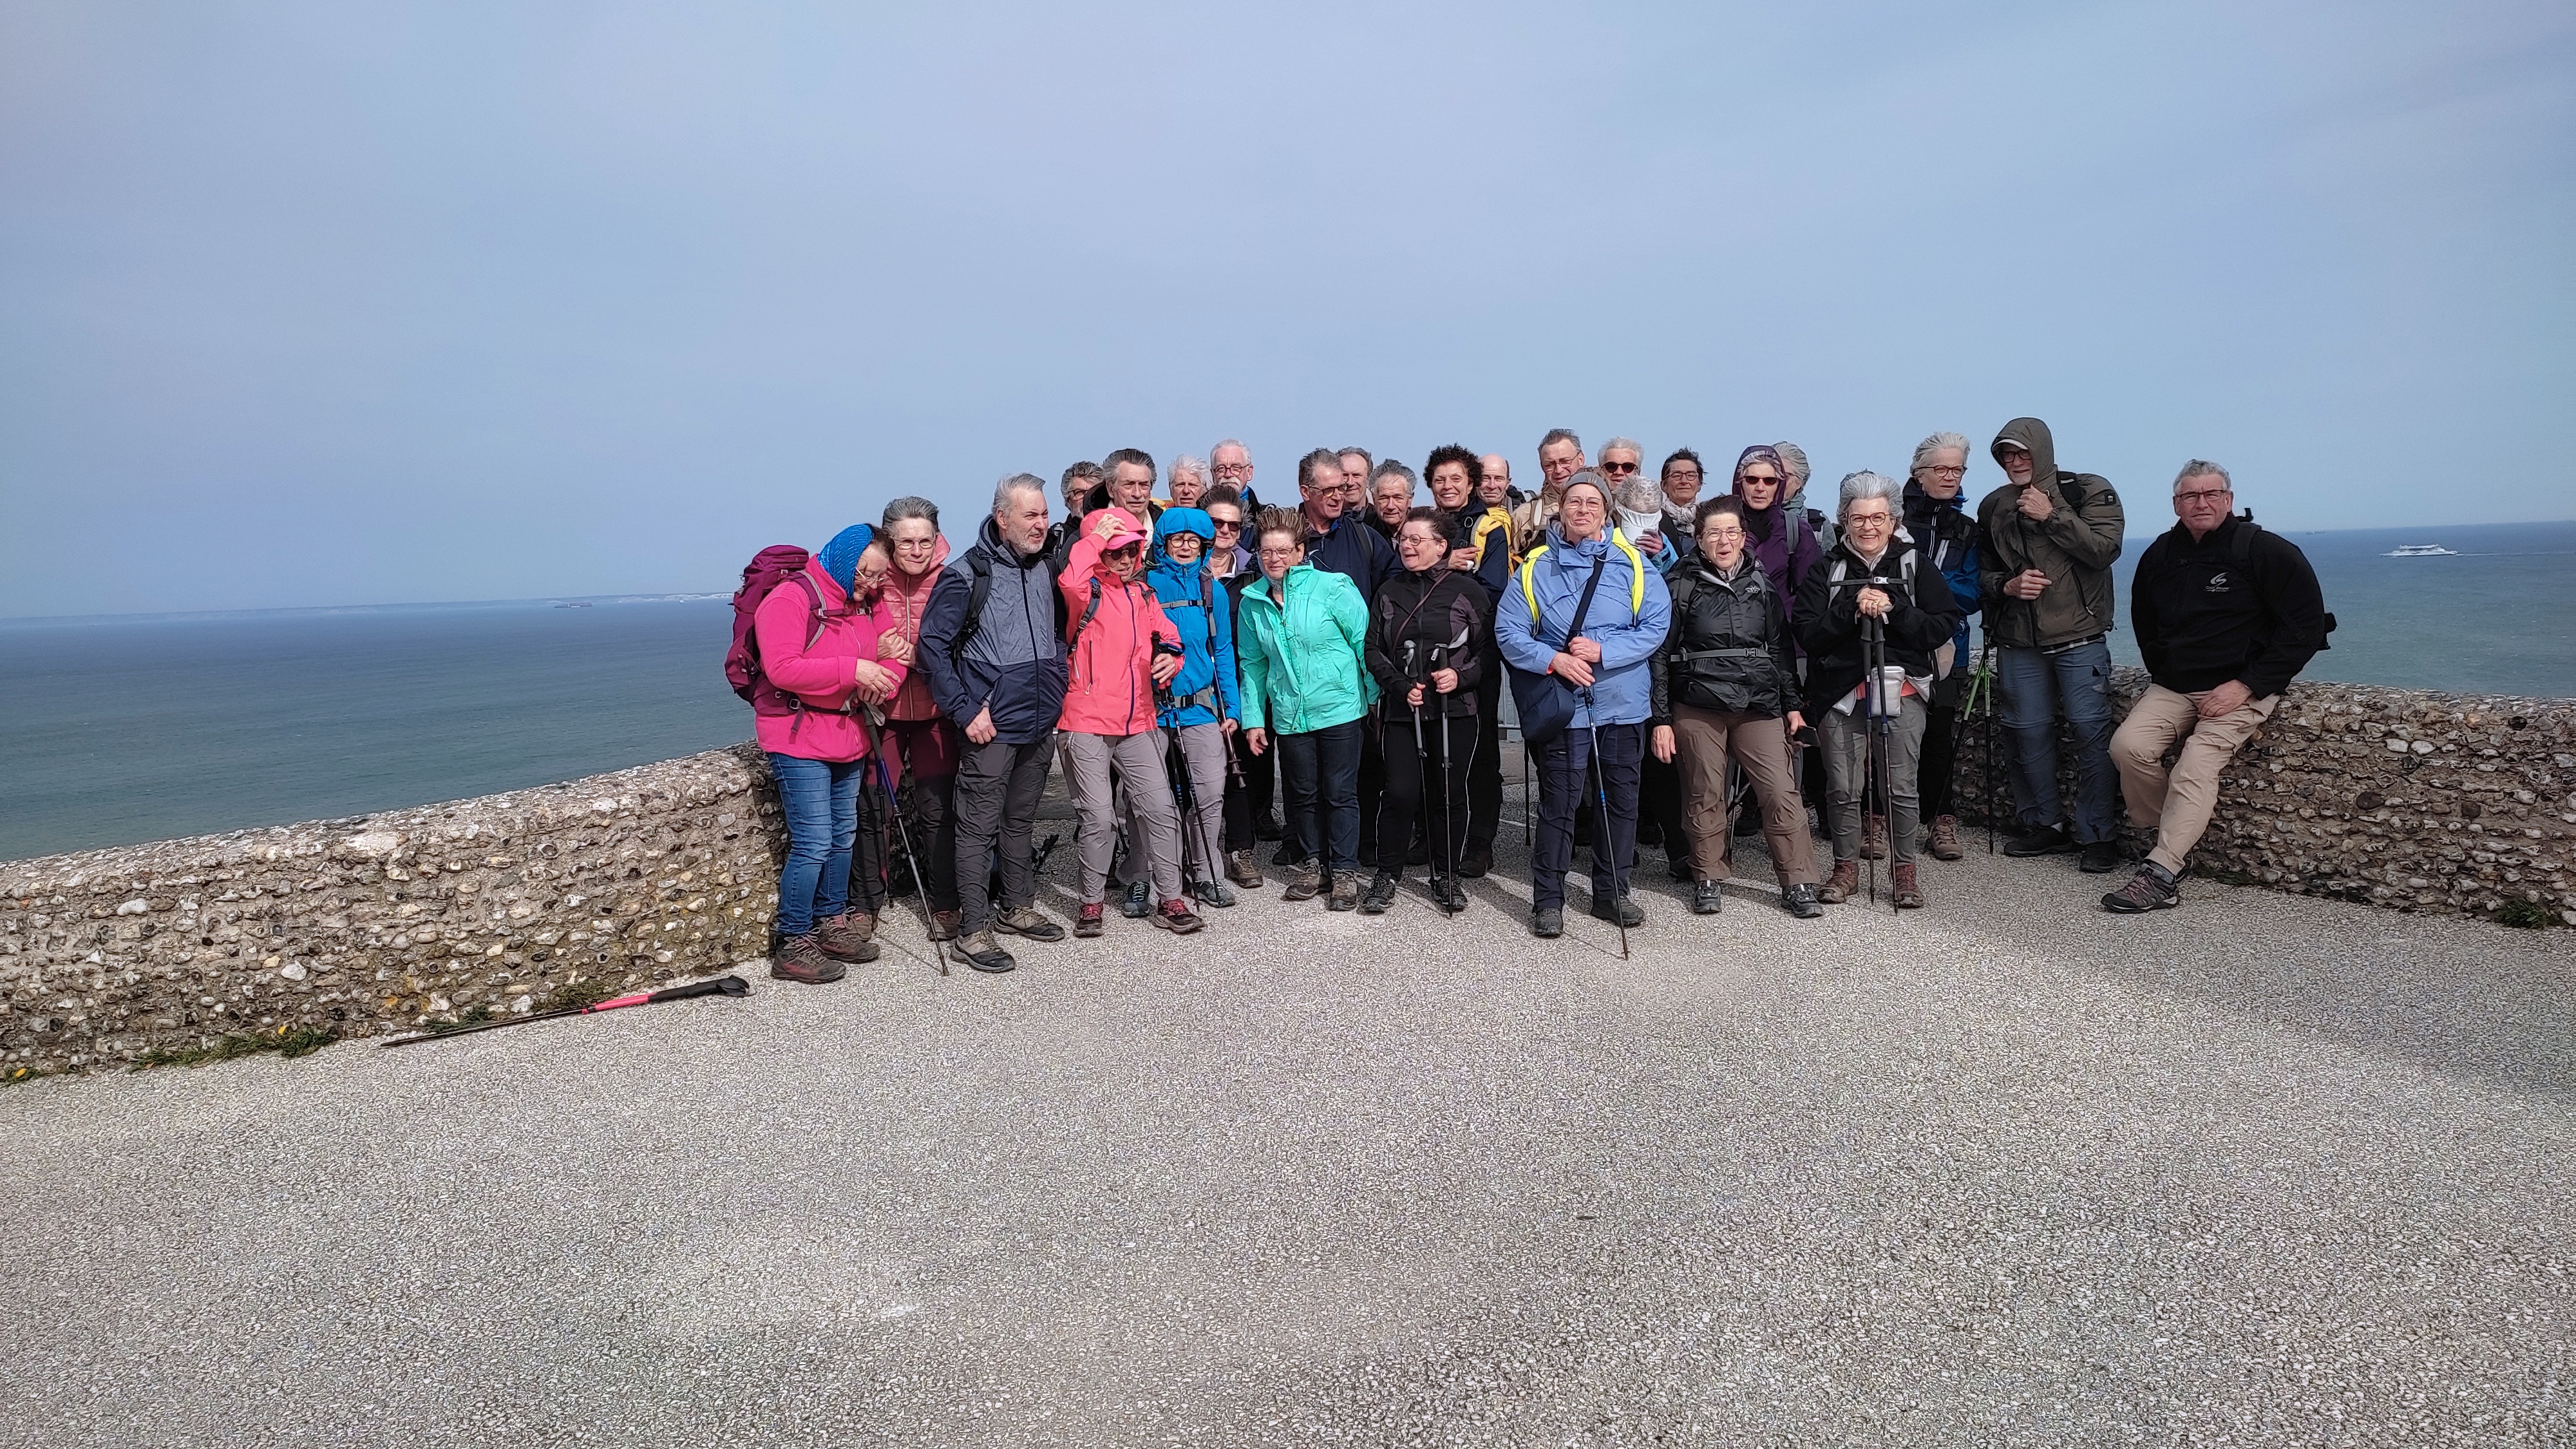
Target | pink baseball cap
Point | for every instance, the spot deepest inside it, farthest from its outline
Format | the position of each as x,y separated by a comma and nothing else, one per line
1126,529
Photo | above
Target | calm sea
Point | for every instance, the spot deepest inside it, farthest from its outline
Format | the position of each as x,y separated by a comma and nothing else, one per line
128,729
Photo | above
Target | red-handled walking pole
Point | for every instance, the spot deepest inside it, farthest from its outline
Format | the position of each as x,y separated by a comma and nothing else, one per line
721,986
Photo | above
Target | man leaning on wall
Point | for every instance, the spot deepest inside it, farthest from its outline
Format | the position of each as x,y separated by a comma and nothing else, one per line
2227,615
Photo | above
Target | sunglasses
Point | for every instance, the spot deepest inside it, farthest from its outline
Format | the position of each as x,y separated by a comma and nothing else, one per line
1619,468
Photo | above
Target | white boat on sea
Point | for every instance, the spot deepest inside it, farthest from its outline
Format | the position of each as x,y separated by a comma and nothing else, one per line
2423,550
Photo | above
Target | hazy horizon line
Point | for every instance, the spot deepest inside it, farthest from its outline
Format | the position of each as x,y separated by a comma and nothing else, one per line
657,596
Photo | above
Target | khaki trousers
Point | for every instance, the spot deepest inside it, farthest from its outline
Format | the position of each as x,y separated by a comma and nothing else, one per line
2178,803
1703,741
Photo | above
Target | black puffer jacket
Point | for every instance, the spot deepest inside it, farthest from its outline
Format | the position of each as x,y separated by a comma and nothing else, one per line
1746,661
1439,618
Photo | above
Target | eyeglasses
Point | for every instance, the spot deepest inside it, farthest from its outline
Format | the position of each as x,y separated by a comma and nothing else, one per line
1290,552
1948,472
1232,470
2203,495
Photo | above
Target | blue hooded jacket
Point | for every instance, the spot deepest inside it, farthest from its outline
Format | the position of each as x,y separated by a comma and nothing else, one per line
1631,613
1199,607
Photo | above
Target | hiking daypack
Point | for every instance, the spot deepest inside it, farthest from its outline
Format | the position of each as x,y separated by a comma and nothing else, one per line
775,565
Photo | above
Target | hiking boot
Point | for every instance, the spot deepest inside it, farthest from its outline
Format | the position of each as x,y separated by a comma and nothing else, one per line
1026,922
1839,886
1873,838
849,936
1088,922
801,958
1478,860
1175,917
1139,903
1381,894
2047,840
984,953
1346,892
943,925
1909,892
2149,890
1268,827
1800,901
2100,858
1942,840
1707,899
1547,922
1622,911
1302,887
1211,893
1449,894
1243,870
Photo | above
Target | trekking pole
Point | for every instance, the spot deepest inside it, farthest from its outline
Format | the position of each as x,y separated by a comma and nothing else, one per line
1871,652
1448,803
1603,842
1986,670
872,727
721,986
1185,794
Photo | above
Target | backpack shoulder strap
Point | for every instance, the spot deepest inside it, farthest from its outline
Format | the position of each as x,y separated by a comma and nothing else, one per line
1529,586
1088,610
821,614
1636,574
2243,547
979,586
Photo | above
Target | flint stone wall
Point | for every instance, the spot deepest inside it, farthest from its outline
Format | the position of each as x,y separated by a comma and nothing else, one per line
381,922
2404,798
2395,798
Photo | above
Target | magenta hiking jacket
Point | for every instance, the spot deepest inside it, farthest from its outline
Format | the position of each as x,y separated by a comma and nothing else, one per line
821,675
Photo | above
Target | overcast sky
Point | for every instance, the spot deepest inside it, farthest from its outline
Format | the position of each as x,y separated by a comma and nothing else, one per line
369,303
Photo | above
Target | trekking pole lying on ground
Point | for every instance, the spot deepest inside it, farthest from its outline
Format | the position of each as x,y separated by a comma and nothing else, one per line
721,986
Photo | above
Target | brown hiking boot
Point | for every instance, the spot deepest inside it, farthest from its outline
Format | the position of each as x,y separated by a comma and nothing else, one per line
1839,886
1308,880
943,925
1243,870
1088,923
1176,917
1909,893
1873,838
1942,841
801,958
849,936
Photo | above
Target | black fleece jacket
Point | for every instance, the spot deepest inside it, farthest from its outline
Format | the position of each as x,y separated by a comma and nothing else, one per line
1442,615
2204,619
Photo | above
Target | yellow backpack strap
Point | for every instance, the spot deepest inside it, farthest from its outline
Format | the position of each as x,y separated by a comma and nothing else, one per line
1529,589
1636,574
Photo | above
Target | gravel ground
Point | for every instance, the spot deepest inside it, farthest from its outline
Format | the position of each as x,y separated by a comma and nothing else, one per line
2006,1171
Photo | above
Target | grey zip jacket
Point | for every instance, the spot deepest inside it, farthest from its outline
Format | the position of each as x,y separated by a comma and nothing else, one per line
2075,546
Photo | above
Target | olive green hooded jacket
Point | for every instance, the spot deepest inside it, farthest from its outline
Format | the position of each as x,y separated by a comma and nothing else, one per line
2075,546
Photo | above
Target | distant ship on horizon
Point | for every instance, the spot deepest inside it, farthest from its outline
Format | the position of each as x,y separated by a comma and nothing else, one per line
2423,550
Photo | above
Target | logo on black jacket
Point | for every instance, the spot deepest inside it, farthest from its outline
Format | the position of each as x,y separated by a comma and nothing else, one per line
2217,583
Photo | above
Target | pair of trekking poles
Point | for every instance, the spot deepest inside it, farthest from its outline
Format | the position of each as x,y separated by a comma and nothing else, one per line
1450,897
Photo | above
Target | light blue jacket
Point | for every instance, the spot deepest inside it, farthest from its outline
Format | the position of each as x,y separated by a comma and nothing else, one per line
1630,615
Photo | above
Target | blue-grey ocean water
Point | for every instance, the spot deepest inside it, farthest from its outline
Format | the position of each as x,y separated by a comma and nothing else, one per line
130,729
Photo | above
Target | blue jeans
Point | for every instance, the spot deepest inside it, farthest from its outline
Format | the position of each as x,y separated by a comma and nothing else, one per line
821,801
2032,690
1566,788
1321,770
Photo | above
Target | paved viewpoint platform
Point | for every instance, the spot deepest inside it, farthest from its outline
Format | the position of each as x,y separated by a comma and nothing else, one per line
2006,1171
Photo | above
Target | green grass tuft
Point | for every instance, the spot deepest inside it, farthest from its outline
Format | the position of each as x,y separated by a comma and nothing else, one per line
286,1041
2523,914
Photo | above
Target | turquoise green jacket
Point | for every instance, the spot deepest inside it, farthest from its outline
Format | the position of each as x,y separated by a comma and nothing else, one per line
1301,663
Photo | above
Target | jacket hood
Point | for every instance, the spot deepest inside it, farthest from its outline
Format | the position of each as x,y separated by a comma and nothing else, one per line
2032,435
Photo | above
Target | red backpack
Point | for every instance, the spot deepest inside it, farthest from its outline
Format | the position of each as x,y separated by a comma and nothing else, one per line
777,564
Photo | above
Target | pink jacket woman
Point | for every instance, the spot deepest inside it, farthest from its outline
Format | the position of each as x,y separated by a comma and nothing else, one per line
818,662
1111,691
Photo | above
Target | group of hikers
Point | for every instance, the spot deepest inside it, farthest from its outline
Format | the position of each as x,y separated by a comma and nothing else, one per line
1681,665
